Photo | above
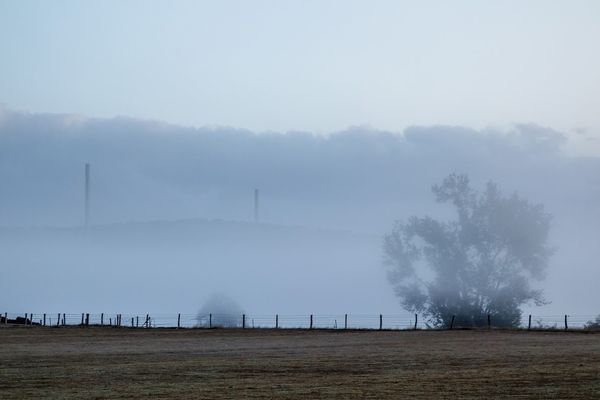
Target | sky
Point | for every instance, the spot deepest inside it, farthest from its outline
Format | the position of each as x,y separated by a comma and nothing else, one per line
318,66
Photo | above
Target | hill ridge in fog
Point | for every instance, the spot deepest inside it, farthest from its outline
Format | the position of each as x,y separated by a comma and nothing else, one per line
183,225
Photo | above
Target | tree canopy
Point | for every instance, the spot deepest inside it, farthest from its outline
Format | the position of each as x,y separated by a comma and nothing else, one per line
480,264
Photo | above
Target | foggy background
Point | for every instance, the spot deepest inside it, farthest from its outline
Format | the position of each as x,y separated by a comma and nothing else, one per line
344,114
172,212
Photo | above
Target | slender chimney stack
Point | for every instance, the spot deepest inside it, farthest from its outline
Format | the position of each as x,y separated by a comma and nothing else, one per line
87,194
255,205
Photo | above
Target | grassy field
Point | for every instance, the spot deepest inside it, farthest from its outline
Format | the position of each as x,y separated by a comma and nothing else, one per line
109,363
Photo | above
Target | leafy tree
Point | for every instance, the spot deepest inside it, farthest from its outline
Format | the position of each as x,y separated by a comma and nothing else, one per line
480,264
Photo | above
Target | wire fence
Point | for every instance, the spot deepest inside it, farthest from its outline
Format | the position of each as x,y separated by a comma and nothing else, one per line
284,321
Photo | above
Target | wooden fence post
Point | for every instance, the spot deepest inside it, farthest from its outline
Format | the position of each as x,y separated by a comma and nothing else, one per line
82,316
5,318
178,320
380,321
452,323
276,321
87,319
137,321
132,322
489,321
345,321
110,321
210,320
529,325
243,321
102,319
44,319
416,318
311,321
566,324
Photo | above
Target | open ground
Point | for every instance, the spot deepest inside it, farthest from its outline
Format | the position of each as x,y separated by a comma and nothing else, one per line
109,363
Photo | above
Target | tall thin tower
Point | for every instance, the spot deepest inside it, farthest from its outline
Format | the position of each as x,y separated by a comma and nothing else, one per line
255,205
87,194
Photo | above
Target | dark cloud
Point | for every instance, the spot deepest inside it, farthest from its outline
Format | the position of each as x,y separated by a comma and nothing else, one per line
145,170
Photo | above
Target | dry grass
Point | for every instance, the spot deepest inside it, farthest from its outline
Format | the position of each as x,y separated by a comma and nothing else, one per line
109,363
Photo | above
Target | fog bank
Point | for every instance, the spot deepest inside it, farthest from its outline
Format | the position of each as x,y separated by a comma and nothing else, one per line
350,184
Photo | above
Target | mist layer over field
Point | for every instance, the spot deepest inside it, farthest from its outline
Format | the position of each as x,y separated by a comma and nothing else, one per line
172,212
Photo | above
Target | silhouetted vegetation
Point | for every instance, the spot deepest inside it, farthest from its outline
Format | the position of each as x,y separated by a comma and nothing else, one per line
478,265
